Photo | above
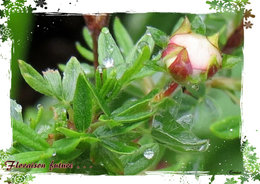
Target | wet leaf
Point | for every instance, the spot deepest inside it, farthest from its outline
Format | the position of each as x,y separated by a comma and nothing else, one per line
34,79
54,80
70,77
228,128
82,105
122,37
160,38
141,159
25,135
110,56
66,145
116,146
229,61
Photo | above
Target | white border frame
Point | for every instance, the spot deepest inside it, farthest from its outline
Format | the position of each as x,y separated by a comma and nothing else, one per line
250,94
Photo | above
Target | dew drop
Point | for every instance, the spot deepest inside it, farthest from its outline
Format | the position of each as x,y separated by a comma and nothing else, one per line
39,106
148,34
54,154
148,154
18,108
231,130
108,63
100,69
110,48
195,87
105,30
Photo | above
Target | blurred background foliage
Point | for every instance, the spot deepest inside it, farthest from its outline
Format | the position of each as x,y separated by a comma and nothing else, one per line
45,41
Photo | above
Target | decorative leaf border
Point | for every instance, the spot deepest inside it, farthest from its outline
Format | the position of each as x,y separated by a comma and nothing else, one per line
233,6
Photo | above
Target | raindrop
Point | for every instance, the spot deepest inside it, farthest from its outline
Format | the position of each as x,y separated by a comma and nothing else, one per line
141,45
110,48
38,25
105,30
185,119
39,106
100,70
231,130
108,63
195,87
18,108
148,34
54,154
219,163
148,154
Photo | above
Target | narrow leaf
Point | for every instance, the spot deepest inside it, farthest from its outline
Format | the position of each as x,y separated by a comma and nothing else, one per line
16,111
122,37
70,77
109,56
54,80
30,157
198,26
229,61
160,38
66,145
87,37
28,137
228,128
84,52
34,79
69,133
82,105
117,146
101,102
140,159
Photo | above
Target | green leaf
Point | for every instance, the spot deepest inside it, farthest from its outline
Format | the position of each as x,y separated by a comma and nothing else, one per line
177,25
140,159
198,26
84,52
16,111
88,69
34,79
109,56
54,80
82,105
160,38
87,37
197,90
69,133
140,116
38,117
109,159
228,128
229,61
116,146
173,135
106,131
66,145
27,136
101,102
31,156
70,77
146,39
132,107
122,37
143,56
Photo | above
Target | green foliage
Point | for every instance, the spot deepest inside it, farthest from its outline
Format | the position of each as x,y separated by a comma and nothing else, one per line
227,128
114,118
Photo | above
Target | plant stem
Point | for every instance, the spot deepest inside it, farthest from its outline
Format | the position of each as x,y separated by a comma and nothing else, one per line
95,23
171,88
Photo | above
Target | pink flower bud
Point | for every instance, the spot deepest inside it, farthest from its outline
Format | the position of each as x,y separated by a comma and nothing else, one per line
192,57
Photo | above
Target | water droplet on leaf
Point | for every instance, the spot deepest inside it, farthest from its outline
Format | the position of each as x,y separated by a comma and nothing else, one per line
195,87
39,106
54,154
18,108
105,30
108,63
148,154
